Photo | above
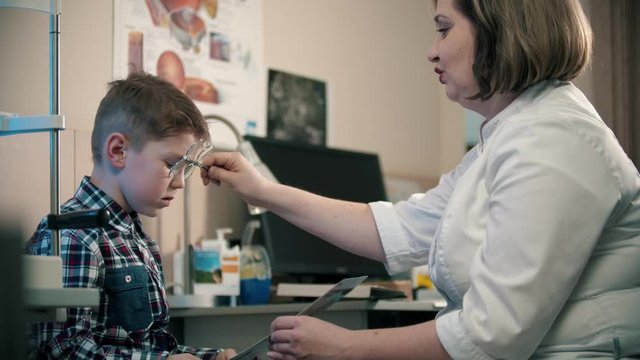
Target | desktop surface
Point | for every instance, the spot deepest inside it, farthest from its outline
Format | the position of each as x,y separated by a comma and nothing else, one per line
241,326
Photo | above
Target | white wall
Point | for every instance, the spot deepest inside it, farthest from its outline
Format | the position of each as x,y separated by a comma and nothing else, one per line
373,53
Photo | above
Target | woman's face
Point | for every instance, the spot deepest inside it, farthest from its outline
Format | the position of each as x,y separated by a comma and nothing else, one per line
452,53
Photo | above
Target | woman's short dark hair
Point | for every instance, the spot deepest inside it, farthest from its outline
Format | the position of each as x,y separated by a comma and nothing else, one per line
521,42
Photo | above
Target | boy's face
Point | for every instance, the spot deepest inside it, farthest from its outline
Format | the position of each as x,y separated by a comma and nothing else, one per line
145,182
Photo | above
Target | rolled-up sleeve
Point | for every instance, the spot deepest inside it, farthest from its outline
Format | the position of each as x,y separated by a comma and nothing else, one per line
407,229
454,338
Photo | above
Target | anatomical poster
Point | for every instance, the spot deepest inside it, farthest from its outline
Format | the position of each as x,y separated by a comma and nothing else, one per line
212,50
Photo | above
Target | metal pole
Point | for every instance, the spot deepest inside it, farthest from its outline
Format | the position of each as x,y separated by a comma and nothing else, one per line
186,248
54,109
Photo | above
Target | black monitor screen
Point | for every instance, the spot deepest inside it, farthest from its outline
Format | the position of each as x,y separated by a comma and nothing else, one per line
335,173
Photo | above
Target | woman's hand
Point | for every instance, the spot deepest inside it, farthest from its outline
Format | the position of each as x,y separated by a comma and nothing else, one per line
234,170
298,337
182,357
226,354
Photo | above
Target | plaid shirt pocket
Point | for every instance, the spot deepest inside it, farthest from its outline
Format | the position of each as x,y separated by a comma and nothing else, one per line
128,298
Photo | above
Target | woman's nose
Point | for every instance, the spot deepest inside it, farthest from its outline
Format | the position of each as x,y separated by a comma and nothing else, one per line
432,55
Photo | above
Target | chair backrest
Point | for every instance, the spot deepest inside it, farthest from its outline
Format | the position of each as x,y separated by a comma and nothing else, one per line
12,308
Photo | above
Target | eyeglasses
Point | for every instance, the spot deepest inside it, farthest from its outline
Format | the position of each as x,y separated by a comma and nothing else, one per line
192,159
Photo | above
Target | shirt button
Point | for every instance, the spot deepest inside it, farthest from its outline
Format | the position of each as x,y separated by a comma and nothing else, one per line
127,278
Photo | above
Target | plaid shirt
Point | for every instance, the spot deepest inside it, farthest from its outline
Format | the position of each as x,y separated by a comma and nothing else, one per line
124,263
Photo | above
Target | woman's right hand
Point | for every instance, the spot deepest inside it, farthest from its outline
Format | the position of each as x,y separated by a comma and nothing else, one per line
234,170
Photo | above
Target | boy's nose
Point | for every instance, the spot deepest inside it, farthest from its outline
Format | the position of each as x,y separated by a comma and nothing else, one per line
178,180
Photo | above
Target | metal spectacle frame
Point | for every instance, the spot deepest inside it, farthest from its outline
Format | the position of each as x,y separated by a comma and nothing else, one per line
192,159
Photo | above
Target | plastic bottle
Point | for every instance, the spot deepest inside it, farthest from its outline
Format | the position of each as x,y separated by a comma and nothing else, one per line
255,269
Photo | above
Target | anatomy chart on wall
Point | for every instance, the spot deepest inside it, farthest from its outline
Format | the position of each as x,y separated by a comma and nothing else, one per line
210,49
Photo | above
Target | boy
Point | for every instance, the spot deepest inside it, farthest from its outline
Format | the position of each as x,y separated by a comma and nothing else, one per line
143,128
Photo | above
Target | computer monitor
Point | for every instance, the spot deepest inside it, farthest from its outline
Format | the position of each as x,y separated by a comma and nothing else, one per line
331,172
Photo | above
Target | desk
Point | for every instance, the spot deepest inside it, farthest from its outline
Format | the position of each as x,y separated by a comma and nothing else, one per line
239,327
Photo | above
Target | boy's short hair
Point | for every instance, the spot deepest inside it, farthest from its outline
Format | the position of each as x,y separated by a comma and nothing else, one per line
145,108
521,42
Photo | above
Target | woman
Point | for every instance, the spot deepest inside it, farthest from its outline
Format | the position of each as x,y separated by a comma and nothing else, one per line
533,239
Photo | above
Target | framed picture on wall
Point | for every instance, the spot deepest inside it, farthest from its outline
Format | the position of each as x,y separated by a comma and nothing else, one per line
296,108
211,50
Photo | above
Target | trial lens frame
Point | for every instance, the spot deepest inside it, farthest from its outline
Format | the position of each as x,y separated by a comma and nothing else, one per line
192,159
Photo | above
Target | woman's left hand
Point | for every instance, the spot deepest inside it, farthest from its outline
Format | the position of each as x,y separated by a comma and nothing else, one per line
226,354
297,337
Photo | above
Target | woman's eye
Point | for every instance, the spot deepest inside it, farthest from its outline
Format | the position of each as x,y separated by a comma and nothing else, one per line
169,165
443,31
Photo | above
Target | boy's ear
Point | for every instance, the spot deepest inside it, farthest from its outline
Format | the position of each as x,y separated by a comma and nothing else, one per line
116,150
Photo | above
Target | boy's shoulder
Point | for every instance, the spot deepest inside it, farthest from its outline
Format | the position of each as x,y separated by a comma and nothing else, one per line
87,196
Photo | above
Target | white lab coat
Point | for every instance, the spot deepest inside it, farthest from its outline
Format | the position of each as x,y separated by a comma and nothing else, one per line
533,239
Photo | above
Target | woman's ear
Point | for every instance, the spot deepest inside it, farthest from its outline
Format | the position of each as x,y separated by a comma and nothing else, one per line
116,150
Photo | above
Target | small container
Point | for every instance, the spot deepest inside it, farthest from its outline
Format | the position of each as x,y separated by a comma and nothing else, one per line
255,269
216,267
